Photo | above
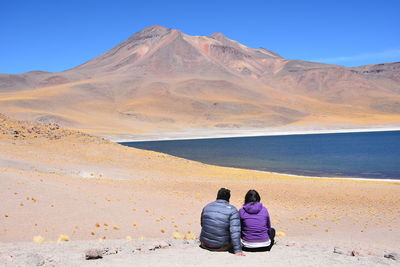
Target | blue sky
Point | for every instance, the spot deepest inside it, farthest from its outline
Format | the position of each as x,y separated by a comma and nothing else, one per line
56,35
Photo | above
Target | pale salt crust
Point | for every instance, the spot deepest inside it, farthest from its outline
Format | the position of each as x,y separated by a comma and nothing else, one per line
212,134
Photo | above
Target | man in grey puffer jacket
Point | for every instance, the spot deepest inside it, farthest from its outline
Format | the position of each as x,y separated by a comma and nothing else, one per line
220,225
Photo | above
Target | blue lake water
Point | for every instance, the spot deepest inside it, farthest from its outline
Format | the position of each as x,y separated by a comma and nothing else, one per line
369,155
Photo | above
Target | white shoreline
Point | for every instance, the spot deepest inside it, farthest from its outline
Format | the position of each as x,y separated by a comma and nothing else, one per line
386,180
213,134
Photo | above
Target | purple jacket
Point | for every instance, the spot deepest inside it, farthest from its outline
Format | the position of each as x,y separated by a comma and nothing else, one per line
255,222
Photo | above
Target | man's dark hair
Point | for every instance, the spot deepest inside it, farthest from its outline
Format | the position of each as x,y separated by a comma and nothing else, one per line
252,196
224,194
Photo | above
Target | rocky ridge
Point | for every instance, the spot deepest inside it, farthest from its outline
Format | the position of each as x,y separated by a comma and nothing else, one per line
29,131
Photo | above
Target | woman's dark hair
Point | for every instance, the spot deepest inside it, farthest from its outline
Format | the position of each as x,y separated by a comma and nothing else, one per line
224,194
252,196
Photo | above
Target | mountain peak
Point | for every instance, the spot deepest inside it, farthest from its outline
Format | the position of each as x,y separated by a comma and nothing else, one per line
218,36
151,32
155,28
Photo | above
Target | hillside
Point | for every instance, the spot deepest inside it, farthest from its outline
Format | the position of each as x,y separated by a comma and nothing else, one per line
162,81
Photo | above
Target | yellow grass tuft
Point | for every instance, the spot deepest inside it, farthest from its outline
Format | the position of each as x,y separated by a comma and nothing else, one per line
162,230
189,236
21,204
115,227
97,225
38,239
135,224
128,238
63,238
280,234
177,235
93,233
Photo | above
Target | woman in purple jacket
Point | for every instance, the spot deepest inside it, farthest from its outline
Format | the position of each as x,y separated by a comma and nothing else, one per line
257,234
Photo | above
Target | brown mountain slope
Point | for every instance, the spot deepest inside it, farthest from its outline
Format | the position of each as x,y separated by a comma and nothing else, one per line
161,80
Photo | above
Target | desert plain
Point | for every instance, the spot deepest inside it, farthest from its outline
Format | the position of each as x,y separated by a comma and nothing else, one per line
64,191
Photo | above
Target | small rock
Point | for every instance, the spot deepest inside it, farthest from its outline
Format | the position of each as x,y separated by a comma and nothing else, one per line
361,252
13,132
163,244
338,250
291,244
150,248
111,251
191,242
393,256
93,254
355,252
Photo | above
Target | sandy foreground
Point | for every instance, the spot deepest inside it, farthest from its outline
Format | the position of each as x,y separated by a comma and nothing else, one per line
101,195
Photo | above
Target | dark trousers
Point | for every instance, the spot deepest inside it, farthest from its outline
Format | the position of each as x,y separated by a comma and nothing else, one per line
271,234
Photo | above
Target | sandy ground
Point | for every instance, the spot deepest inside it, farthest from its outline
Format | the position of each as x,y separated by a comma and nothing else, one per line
90,189
148,252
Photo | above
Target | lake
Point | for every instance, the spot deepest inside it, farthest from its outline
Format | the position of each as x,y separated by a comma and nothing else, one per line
367,154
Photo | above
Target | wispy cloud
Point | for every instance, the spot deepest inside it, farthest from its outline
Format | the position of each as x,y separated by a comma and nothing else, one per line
391,55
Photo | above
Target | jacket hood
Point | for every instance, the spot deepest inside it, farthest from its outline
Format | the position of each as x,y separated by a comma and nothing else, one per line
252,207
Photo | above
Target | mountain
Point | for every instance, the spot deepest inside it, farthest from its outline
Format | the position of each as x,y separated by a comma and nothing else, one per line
161,80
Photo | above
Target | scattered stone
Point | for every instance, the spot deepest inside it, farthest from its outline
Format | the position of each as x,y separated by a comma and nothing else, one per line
93,254
393,256
111,251
25,130
164,244
191,242
151,248
362,252
355,252
291,244
338,250
13,132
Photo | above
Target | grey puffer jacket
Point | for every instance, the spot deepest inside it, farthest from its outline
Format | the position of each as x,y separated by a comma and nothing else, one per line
220,225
